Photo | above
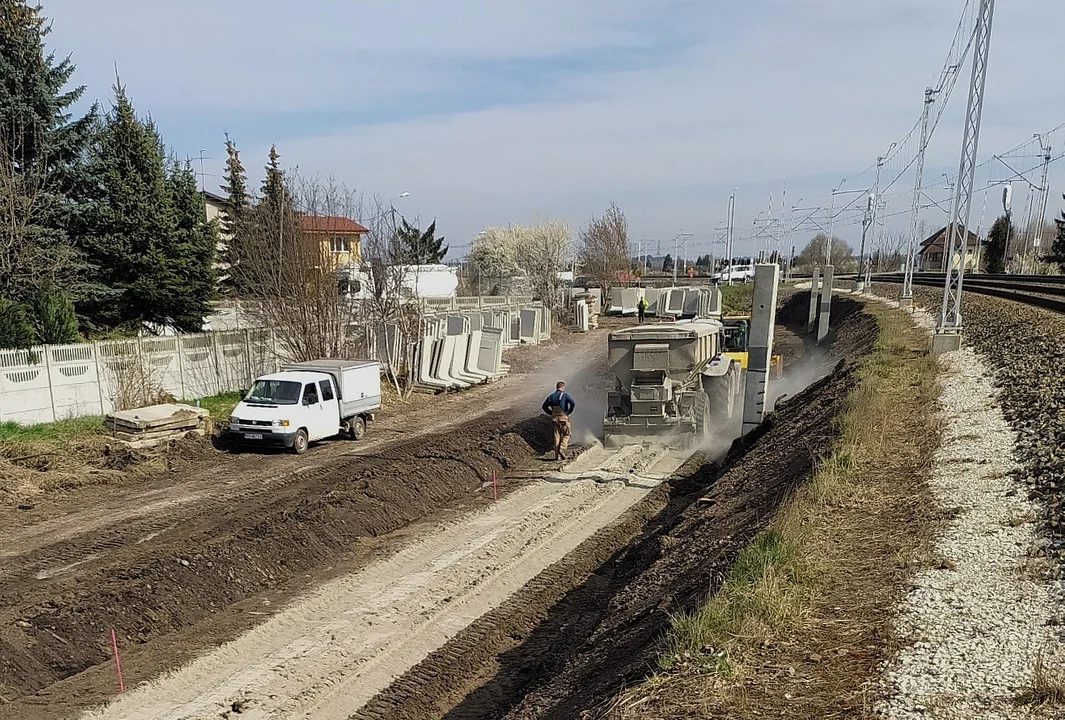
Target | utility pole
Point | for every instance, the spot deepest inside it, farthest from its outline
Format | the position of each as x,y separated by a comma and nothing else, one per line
867,220
1007,207
676,242
906,301
862,281
948,333
729,235
1045,197
831,218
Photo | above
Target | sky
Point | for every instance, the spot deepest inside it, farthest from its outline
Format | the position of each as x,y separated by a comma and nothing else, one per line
489,113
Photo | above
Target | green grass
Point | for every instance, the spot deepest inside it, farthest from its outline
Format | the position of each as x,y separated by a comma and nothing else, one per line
773,582
62,432
56,433
737,299
220,406
763,593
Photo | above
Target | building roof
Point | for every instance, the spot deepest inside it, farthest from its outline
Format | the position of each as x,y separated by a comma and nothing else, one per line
215,198
331,224
936,242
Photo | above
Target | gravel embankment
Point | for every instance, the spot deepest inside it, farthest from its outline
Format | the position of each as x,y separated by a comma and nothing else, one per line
1024,348
976,624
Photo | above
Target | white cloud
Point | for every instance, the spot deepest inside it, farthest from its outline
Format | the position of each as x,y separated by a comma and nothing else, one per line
754,93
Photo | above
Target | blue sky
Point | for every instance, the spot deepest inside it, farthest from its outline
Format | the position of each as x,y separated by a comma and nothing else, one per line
496,112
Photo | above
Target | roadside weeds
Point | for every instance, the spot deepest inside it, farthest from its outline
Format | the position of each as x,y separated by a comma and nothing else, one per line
802,620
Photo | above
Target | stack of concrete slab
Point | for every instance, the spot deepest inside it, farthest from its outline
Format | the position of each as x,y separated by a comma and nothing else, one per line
593,296
465,347
653,297
581,317
156,424
622,301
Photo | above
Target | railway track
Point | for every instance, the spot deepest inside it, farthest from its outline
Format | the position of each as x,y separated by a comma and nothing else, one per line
1045,291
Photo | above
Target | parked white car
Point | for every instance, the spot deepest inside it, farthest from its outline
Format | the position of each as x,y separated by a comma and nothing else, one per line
308,401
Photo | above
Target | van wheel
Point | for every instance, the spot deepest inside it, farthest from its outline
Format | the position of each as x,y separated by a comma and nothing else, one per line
357,428
299,445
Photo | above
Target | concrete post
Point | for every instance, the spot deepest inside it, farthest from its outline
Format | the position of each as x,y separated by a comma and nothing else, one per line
760,345
814,290
825,304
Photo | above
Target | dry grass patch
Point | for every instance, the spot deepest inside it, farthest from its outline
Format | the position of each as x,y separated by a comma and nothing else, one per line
803,619
1048,685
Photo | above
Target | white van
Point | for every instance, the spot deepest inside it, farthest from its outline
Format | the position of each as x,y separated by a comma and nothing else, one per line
740,273
308,401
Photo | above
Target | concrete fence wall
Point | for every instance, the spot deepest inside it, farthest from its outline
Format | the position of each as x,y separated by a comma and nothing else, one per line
56,382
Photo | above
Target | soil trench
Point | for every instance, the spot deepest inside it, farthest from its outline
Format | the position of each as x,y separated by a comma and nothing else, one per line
154,590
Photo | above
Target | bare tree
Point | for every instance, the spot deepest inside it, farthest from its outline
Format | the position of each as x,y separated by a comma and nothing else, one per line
537,254
289,274
813,255
603,251
390,308
890,253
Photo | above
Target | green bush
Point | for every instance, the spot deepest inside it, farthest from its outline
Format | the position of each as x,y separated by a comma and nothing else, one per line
16,330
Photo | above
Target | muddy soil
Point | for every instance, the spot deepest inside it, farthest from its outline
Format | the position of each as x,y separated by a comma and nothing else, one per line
202,479
57,627
590,625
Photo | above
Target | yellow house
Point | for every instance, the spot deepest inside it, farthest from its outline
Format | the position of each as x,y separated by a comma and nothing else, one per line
339,239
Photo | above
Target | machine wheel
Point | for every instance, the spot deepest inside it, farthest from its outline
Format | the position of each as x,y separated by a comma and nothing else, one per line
722,392
299,445
703,419
357,427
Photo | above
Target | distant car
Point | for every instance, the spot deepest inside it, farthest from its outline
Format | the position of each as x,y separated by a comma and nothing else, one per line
736,273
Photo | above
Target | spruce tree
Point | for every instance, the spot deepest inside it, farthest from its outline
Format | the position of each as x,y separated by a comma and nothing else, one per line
273,189
422,248
16,330
150,237
995,252
41,147
35,121
191,254
53,316
234,229
235,188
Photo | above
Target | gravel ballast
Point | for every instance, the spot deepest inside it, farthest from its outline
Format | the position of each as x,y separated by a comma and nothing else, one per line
975,623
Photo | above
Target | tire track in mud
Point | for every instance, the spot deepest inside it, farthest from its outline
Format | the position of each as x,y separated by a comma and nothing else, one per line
61,541
327,654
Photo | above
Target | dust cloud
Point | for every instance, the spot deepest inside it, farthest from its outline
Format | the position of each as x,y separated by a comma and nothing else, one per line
814,366
587,381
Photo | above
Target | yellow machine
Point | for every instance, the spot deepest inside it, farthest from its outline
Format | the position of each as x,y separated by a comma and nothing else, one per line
736,337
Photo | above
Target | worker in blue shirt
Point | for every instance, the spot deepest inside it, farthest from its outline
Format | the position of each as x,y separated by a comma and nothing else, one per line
559,405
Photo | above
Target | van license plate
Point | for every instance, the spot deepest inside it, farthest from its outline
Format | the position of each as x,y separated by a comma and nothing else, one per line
253,436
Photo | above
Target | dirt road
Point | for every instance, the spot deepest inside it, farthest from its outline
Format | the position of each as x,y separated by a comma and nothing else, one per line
329,653
184,563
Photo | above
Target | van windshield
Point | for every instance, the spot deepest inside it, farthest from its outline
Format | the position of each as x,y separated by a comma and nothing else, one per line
274,392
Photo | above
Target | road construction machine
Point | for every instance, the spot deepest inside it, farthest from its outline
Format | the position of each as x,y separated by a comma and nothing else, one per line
673,381
735,338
